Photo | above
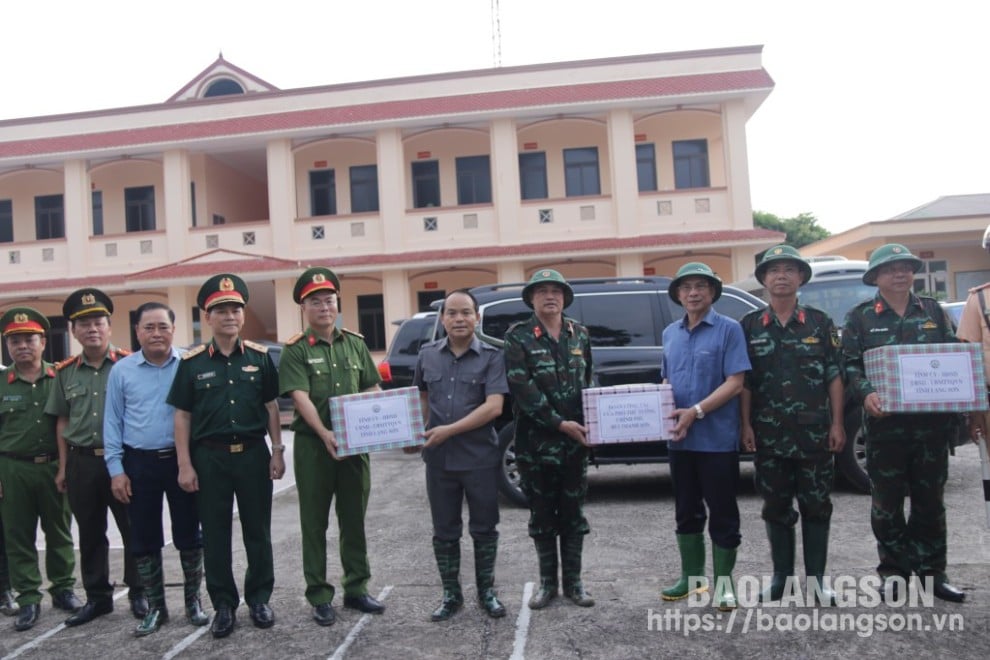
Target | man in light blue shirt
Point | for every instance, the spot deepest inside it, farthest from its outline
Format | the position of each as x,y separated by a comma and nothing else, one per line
139,450
705,361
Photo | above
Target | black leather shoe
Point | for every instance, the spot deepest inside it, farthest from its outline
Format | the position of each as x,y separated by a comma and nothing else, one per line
27,617
139,606
66,600
364,603
262,615
89,611
945,591
223,622
490,603
324,614
451,602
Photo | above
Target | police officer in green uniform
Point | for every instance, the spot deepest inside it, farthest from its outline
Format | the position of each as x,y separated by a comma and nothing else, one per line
321,362
77,400
28,465
791,411
224,394
547,364
905,453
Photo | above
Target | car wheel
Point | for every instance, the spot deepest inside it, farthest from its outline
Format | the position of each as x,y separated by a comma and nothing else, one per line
852,461
508,474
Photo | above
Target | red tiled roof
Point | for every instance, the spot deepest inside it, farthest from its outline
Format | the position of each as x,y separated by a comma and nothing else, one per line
464,104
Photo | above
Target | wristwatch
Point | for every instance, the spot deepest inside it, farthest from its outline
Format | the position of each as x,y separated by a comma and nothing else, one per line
698,412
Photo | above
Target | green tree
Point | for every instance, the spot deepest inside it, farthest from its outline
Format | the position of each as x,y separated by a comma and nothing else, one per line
801,230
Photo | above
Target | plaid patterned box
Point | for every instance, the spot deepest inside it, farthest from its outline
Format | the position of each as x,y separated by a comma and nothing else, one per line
376,421
628,413
922,378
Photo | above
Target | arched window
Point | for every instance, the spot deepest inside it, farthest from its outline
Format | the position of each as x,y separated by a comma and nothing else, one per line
223,87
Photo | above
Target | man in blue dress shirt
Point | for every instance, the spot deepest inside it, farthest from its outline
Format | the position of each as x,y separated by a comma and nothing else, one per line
705,360
139,444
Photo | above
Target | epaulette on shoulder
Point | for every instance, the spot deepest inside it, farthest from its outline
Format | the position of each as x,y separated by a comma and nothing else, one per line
294,338
261,348
193,352
66,362
351,332
983,286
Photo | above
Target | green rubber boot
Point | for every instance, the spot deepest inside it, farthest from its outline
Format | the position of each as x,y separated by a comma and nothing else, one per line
546,553
485,552
782,542
192,578
692,580
724,560
814,534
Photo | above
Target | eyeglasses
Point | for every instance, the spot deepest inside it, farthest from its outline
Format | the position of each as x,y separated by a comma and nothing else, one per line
697,286
317,303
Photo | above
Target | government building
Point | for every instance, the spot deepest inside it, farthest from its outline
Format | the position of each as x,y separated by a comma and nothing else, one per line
406,187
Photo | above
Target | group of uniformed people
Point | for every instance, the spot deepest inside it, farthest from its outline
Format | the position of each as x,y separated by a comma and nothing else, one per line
108,430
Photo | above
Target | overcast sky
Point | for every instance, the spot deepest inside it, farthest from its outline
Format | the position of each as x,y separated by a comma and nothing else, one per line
879,106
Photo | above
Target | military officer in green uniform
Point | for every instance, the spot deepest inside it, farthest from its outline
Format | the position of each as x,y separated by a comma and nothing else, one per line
791,412
28,465
224,394
905,453
321,362
77,400
547,364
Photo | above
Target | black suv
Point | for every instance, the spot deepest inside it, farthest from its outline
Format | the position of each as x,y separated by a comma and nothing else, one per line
625,318
399,364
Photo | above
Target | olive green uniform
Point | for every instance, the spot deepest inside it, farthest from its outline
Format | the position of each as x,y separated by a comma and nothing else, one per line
226,397
326,369
905,453
28,464
79,395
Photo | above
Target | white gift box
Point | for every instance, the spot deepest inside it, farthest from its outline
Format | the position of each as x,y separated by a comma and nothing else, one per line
628,413
376,421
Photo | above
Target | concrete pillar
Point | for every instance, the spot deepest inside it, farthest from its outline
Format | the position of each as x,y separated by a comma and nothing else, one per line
506,194
78,201
622,170
396,299
629,265
178,202
182,300
288,317
391,190
281,196
739,202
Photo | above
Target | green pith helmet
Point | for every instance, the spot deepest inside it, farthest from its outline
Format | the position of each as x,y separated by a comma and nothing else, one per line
694,269
780,253
547,276
886,254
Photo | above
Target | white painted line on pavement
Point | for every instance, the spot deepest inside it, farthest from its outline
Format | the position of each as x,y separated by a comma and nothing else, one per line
351,636
38,640
185,643
522,625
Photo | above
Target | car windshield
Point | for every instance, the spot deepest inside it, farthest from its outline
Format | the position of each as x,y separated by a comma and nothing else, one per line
836,297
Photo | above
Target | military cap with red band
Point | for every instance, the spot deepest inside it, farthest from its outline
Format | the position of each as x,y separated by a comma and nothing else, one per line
222,288
313,280
23,320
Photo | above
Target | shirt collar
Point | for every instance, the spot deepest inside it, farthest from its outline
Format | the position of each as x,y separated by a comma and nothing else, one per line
880,305
214,350
312,338
474,346
47,371
708,319
174,354
797,316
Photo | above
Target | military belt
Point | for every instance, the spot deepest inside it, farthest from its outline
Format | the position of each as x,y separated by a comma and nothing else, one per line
87,451
40,458
234,443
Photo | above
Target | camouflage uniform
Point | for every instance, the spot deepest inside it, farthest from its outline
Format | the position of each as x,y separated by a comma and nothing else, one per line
545,379
792,369
905,454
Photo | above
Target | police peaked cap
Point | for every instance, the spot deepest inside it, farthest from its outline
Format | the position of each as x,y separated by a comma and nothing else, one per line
87,302
313,280
23,320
